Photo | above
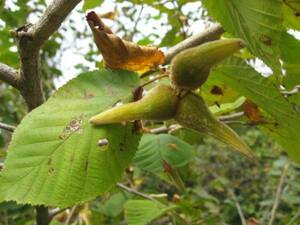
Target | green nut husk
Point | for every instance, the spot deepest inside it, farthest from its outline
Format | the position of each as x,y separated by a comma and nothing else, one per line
159,104
190,68
193,113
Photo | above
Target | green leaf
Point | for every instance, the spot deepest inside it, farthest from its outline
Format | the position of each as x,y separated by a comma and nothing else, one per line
154,149
188,135
214,91
257,22
114,205
290,19
290,55
89,4
55,158
244,79
141,212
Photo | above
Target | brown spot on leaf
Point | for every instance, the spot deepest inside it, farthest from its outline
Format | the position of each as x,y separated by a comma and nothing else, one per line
88,95
266,40
50,168
167,167
252,112
86,165
216,90
137,127
72,157
172,146
138,93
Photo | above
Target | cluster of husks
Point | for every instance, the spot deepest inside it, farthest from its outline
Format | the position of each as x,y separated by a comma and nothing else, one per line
189,70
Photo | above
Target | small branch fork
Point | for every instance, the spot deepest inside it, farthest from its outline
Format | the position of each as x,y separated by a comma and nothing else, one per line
30,39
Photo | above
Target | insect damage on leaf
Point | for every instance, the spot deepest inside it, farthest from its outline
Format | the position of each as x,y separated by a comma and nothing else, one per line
75,125
50,167
120,54
216,90
103,142
88,95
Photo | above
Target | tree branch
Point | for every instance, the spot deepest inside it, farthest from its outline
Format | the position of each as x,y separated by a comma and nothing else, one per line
211,34
9,75
51,20
30,38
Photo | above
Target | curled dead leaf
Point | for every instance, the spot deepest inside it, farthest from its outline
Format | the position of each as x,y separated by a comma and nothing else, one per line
120,54
109,15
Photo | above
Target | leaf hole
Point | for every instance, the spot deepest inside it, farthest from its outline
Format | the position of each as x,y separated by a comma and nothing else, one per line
103,142
216,90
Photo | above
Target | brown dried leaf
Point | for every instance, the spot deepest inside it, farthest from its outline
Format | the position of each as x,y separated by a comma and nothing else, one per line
120,54
252,112
109,15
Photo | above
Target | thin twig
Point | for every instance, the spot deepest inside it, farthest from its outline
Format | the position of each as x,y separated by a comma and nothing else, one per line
231,116
240,212
7,127
133,191
70,215
294,91
278,193
238,207
211,34
154,79
55,212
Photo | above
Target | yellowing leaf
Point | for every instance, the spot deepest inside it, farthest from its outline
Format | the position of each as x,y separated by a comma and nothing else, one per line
120,54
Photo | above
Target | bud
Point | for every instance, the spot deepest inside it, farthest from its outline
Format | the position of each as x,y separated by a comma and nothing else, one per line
190,68
192,112
159,104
